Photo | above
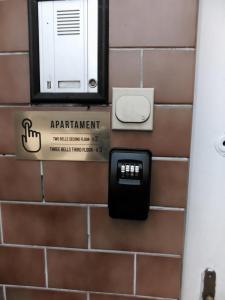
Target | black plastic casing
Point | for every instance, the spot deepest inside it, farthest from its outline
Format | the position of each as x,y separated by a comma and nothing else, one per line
129,198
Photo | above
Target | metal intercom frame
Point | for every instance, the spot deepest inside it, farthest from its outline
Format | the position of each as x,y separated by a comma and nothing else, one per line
103,45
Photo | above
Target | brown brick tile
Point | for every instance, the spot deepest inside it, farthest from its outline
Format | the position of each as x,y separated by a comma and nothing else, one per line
44,225
101,272
158,276
112,297
171,73
150,23
7,134
169,183
14,78
76,181
7,130
170,137
19,180
34,294
168,186
21,266
162,232
124,69
13,25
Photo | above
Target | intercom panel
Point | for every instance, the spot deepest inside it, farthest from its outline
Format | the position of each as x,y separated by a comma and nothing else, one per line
68,50
68,46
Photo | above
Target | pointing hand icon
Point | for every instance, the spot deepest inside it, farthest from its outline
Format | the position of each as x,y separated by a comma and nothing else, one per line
31,140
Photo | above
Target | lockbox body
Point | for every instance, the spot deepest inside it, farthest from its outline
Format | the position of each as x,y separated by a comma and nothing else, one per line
129,184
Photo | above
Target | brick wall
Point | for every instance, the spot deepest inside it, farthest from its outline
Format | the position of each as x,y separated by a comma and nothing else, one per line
57,241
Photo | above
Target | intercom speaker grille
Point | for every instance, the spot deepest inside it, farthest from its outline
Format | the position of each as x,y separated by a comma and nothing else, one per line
68,22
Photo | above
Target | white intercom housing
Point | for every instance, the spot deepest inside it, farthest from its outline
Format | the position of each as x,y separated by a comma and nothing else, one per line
69,49
68,46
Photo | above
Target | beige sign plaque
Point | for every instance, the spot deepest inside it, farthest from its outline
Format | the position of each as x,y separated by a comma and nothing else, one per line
62,135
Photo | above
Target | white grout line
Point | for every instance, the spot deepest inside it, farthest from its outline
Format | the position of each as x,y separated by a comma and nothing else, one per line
93,250
171,105
135,274
28,105
44,289
41,168
170,158
153,49
13,106
141,69
72,204
89,226
42,181
125,49
170,49
88,296
162,208
5,245
131,296
163,158
159,208
1,225
14,53
46,267
4,292
85,292
175,256
103,106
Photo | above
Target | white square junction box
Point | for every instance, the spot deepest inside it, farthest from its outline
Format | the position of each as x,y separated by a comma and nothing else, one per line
133,109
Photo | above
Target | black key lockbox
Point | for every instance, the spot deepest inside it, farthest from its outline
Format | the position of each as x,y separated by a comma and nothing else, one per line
129,184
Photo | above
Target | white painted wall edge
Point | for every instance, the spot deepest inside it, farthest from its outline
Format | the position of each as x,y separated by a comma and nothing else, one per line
205,222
